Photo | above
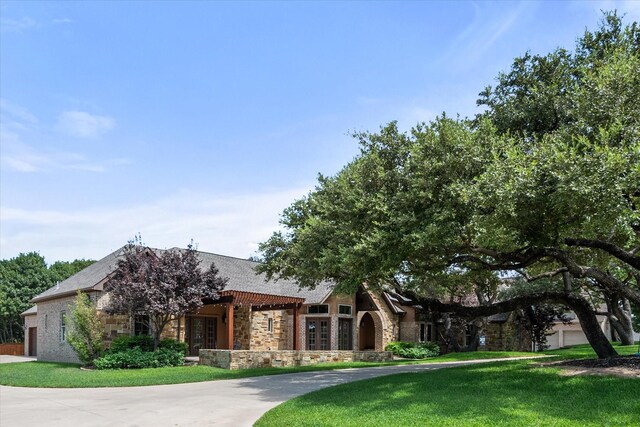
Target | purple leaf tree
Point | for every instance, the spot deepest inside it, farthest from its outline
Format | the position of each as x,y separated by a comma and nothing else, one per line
163,285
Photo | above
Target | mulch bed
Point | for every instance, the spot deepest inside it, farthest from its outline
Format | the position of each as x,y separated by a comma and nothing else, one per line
629,362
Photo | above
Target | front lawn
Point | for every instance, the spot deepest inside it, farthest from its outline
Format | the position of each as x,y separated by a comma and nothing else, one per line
505,394
64,375
585,351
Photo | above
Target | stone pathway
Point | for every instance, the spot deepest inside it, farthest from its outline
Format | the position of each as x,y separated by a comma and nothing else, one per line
215,403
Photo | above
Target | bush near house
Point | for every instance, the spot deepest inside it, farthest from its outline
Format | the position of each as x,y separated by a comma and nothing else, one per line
87,331
412,350
137,352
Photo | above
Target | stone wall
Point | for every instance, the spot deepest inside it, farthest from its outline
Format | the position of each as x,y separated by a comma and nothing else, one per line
262,338
244,359
390,322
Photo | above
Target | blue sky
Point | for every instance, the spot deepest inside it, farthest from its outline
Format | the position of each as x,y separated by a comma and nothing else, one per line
203,120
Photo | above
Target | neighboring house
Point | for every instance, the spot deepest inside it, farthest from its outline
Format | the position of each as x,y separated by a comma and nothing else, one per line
568,334
250,314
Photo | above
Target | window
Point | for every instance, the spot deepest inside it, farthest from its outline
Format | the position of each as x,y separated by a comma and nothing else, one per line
270,324
318,334
426,332
141,324
46,322
467,335
344,309
63,327
318,309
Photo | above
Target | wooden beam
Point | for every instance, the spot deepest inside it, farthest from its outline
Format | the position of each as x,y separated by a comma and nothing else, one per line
296,327
230,325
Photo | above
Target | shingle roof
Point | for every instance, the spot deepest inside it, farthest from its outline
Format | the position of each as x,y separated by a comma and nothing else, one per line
30,311
85,279
240,272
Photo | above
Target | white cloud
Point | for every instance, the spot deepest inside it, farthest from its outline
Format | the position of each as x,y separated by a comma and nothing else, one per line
84,125
9,25
19,127
226,224
14,113
61,21
486,28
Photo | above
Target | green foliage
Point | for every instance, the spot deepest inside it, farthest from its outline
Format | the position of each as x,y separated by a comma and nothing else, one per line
21,279
554,161
135,352
86,332
411,350
135,358
126,342
174,345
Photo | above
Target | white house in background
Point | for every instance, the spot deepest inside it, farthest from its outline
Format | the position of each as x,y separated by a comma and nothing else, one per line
565,335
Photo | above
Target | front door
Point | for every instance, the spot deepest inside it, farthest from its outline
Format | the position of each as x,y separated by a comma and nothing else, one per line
318,334
345,334
202,334
33,342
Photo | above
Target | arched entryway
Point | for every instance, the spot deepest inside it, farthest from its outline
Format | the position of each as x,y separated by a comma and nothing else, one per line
369,331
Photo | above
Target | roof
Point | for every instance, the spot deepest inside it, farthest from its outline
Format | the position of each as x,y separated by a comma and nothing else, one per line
240,272
33,310
85,279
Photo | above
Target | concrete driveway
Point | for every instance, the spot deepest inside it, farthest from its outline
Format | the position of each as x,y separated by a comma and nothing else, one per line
216,403
4,358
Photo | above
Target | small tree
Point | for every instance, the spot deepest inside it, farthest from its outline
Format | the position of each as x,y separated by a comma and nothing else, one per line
163,285
86,332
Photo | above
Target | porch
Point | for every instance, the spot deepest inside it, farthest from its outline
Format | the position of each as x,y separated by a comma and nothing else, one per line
233,322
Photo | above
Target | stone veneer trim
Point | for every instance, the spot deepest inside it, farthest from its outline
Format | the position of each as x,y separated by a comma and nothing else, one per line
245,359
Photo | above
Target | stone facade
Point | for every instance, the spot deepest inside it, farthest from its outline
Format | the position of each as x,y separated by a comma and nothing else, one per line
390,322
244,359
264,339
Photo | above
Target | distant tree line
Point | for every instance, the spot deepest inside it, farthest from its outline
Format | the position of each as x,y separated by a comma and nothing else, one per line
21,279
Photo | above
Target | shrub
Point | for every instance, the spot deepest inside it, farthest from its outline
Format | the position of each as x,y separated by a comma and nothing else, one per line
171,344
126,342
135,358
410,350
86,332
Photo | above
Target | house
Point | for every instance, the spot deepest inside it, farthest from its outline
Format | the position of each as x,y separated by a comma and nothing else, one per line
255,322
250,314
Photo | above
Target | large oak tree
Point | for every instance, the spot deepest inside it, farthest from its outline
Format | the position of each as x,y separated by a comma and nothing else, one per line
544,185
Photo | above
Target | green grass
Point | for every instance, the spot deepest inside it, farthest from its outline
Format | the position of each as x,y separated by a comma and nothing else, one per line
64,375
586,352
498,394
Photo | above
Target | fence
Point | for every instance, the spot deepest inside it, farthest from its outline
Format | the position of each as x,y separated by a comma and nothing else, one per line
12,349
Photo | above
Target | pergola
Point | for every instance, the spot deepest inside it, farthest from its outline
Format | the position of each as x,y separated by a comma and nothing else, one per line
259,302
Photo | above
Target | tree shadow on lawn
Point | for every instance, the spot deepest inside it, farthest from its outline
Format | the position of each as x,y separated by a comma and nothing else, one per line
513,394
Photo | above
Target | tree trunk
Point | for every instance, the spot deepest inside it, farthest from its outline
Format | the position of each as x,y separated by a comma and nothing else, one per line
449,333
579,305
619,315
594,334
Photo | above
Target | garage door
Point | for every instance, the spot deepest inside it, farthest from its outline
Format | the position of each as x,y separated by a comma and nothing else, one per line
574,338
553,341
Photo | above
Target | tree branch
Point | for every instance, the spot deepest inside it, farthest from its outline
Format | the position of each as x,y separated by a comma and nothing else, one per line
624,256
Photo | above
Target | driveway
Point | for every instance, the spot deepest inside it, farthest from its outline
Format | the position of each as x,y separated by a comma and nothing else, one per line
4,358
216,403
